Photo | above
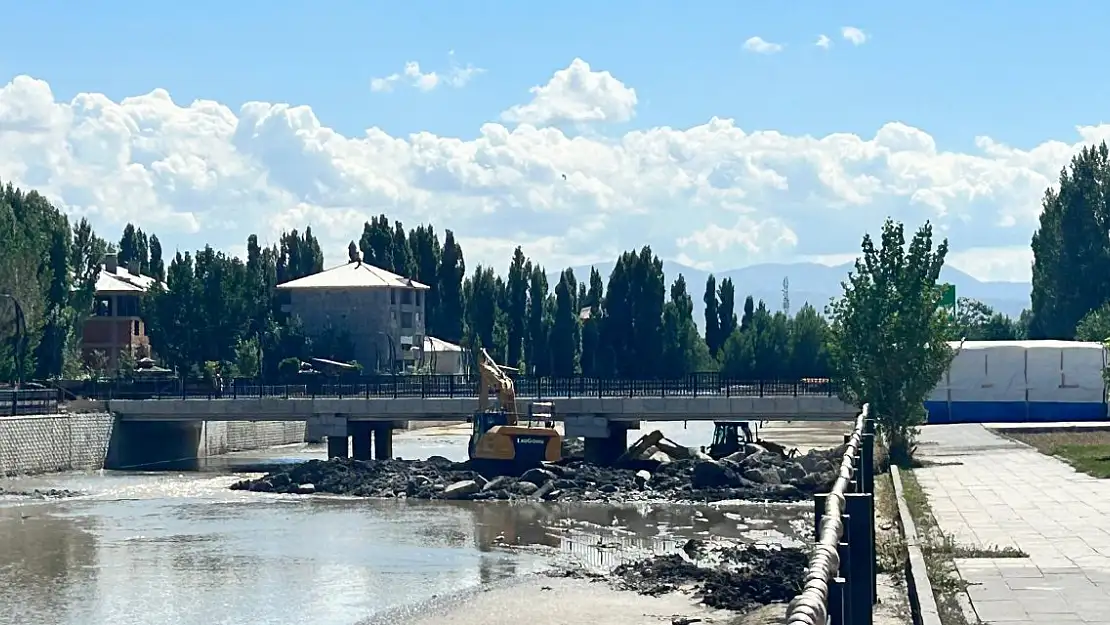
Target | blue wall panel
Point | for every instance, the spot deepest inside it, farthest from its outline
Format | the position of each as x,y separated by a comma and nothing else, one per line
1013,412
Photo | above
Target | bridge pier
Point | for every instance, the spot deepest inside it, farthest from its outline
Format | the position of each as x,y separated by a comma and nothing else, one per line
338,446
383,440
360,440
606,450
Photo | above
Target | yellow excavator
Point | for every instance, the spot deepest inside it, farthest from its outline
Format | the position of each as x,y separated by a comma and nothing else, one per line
499,442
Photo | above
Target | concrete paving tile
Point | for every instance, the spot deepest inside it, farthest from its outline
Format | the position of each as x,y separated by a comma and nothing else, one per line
1004,611
1002,494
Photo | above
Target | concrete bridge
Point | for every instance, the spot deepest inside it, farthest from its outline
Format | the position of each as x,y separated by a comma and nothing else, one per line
365,424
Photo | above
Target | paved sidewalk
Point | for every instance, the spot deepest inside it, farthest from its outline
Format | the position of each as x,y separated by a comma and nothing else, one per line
1002,493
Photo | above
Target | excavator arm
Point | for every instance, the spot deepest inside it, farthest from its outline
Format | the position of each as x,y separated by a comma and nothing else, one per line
493,378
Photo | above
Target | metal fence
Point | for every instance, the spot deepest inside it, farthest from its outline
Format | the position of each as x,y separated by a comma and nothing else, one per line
840,584
451,386
28,401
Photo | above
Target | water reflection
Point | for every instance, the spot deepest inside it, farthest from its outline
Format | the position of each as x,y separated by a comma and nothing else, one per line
219,559
168,548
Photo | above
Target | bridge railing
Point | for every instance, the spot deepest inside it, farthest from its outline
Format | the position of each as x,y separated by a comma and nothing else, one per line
840,580
28,401
454,386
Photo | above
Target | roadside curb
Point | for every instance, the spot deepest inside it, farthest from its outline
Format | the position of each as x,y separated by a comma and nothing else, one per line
922,601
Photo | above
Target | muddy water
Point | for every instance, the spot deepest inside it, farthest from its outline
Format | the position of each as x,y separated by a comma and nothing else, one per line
156,549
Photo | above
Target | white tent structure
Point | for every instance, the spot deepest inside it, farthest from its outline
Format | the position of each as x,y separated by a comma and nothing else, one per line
1021,381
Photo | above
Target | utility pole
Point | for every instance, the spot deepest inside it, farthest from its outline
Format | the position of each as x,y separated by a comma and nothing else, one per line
786,296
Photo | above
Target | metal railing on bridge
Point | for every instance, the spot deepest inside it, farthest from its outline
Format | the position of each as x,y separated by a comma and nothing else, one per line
28,401
453,386
840,586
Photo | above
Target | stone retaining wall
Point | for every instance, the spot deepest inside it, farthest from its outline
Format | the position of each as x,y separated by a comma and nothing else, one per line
57,442
80,441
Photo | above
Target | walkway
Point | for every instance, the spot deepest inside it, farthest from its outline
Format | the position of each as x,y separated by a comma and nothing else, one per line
1003,493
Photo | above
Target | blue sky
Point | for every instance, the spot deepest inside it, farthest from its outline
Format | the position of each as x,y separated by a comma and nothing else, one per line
1018,73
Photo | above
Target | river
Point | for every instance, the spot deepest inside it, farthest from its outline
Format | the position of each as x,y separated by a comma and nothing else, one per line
183,549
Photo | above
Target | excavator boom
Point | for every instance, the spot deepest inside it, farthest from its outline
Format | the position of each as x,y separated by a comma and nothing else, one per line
492,377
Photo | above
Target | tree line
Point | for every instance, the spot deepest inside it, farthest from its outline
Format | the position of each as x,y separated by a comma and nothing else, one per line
884,339
212,311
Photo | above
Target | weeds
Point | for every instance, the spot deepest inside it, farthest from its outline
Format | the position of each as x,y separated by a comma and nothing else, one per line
938,550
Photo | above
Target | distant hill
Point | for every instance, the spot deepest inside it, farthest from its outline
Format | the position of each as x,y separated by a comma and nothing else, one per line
814,283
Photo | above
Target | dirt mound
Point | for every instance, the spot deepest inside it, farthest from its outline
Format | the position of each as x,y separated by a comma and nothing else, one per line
728,578
755,474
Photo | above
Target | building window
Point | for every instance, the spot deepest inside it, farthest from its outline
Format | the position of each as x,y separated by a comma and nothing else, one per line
104,307
392,296
418,298
127,306
406,320
135,328
406,296
393,315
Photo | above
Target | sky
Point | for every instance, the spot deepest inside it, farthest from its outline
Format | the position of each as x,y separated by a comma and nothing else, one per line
722,134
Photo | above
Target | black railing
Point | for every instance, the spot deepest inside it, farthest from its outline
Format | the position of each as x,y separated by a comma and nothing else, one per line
840,584
452,386
28,401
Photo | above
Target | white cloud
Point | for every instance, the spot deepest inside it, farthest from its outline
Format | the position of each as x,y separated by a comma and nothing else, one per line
759,45
576,94
823,41
712,195
854,35
456,76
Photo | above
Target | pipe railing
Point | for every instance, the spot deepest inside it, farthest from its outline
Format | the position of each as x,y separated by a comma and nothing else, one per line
840,579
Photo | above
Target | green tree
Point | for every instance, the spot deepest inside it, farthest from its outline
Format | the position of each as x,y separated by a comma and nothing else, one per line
404,264
684,351
726,310
1071,253
452,270
749,312
536,352
887,337
426,254
714,338
565,329
482,312
1095,325
631,332
516,306
975,321
808,333
156,269
377,244
591,326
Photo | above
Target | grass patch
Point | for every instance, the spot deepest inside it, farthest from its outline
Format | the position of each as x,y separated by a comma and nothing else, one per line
938,550
1087,451
890,546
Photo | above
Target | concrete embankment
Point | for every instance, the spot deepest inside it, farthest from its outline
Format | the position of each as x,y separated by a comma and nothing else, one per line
94,439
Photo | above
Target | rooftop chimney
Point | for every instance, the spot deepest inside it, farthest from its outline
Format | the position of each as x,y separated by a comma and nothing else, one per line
133,267
110,262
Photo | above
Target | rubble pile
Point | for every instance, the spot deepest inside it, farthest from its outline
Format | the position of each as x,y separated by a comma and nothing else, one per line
751,474
736,578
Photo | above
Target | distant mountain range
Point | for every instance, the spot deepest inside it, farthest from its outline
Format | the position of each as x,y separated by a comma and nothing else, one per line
814,283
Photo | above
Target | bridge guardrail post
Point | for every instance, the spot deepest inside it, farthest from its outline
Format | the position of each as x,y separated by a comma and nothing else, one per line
861,577
394,386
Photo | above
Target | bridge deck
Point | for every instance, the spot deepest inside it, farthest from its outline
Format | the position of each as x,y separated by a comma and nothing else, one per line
701,408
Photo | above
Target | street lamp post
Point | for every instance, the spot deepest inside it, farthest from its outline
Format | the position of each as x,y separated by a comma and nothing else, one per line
20,338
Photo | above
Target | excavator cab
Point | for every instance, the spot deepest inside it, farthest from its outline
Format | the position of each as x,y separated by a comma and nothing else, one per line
499,443
727,438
